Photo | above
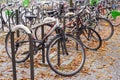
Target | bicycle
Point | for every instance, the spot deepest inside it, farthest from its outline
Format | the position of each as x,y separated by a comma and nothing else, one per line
102,25
63,58
84,32
105,9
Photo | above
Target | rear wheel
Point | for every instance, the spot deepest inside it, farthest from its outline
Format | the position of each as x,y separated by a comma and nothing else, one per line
21,45
104,28
90,38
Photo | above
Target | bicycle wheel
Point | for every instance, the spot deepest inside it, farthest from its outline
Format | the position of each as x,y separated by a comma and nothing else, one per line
65,56
21,45
104,28
90,38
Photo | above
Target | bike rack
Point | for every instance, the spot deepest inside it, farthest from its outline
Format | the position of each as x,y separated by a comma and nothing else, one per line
17,20
13,51
43,47
16,28
13,56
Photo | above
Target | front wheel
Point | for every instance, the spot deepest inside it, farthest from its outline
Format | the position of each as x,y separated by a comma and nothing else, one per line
65,55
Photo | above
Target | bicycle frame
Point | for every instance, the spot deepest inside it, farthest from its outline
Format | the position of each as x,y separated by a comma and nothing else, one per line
53,28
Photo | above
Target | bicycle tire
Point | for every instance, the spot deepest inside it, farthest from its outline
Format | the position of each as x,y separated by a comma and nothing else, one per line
70,64
90,38
103,27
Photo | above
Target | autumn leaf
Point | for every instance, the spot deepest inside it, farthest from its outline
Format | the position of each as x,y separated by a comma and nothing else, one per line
100,67
110,77
3,51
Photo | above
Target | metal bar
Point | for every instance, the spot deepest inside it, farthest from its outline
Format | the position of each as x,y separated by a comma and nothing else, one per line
17,21
71,3
13,56
17,16
9,20
77,34
43,47
58,51
31,57
64,27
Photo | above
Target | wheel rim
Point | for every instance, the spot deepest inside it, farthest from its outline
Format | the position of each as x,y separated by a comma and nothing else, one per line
69,64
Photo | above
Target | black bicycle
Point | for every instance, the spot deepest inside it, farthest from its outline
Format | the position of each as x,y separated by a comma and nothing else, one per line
65,54
76,25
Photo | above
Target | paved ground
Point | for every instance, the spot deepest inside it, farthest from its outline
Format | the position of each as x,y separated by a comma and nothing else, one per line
103,64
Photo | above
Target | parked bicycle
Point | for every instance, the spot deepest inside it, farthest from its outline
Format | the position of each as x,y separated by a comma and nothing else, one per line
65,54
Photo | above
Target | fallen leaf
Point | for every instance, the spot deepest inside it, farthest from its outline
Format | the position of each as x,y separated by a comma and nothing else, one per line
110,77
98,76
93,70
100,67
111,63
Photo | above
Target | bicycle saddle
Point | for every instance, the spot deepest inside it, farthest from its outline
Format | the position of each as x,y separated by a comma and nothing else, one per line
30,17
51,12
